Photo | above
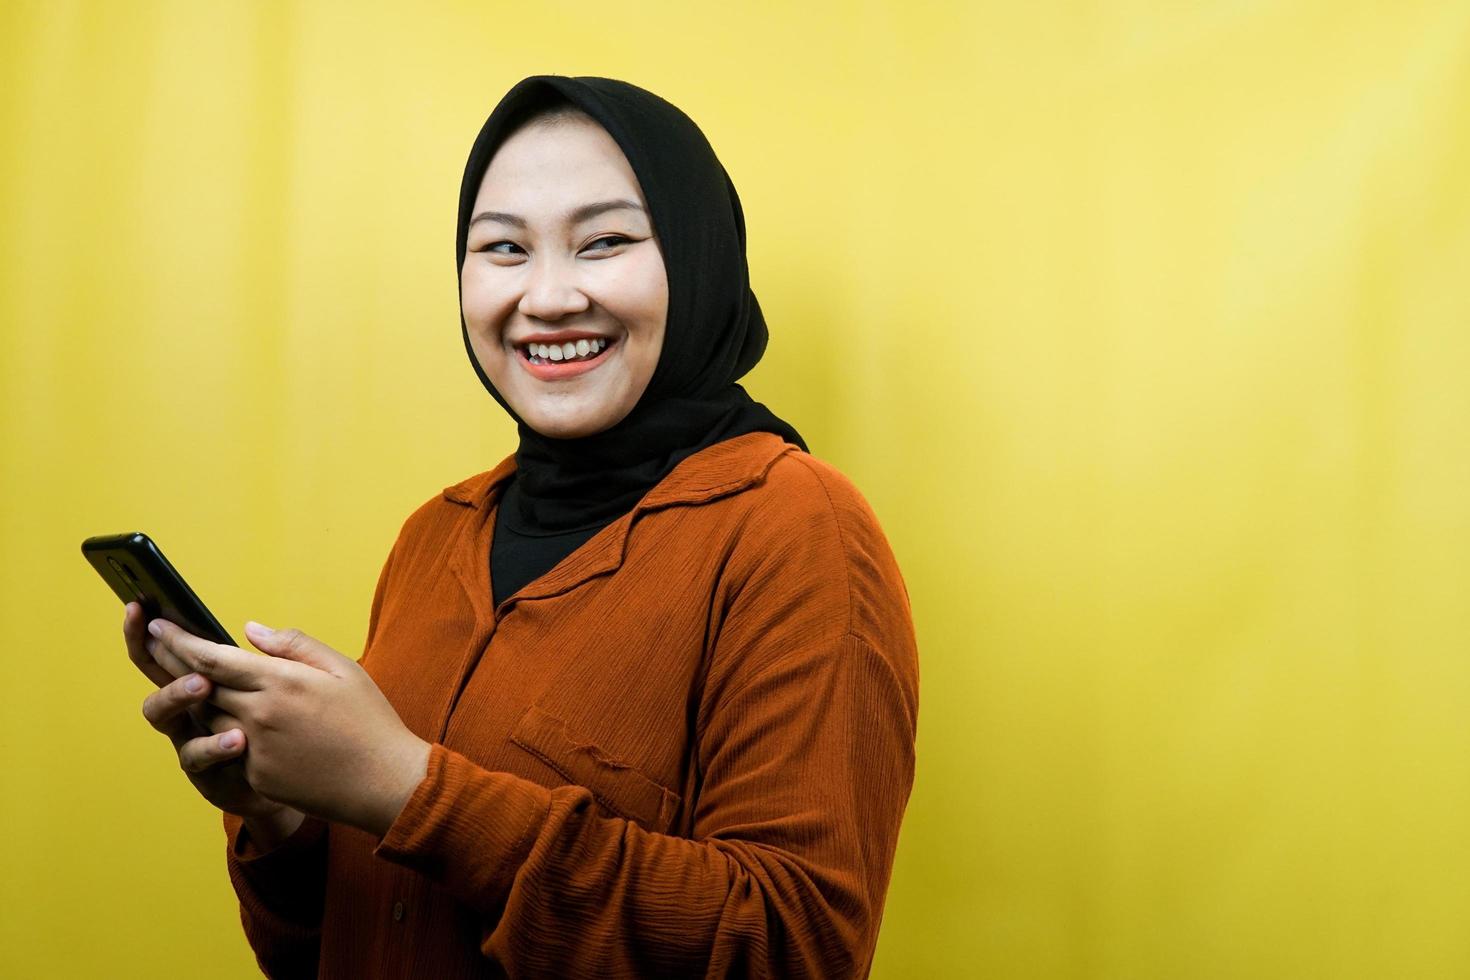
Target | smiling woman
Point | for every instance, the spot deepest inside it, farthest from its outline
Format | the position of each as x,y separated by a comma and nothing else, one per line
638,701
562,257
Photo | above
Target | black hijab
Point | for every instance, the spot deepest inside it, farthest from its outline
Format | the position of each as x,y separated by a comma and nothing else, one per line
715,332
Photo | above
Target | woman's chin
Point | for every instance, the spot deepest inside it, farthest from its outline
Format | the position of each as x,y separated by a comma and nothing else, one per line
570,414
576,426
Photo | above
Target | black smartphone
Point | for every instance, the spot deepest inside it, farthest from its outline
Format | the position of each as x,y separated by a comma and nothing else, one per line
137,571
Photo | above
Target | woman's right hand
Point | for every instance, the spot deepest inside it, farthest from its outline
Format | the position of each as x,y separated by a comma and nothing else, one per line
209,742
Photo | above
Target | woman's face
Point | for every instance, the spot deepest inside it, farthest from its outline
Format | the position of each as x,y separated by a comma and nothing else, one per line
563,286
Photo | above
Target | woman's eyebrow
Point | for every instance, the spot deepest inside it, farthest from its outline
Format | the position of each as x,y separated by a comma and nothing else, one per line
575,216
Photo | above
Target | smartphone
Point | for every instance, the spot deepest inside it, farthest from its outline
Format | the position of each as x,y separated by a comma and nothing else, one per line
137,571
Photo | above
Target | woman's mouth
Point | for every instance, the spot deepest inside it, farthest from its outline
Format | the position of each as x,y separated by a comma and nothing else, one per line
565,358
581,350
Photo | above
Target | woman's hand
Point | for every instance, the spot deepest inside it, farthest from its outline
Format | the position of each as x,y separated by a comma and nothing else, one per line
322,737
209,743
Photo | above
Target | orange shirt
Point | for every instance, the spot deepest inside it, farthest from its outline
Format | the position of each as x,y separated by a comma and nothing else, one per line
684,751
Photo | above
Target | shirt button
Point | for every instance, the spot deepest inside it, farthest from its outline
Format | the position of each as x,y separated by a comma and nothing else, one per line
397,911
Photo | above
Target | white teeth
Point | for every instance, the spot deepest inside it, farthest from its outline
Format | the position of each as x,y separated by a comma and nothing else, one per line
569,351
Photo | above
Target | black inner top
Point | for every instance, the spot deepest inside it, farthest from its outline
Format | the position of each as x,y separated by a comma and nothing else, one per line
519,554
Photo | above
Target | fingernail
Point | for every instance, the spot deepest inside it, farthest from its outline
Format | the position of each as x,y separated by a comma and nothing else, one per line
230,740
155,627
194,684
260,628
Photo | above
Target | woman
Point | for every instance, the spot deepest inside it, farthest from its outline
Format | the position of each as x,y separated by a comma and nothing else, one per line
641,700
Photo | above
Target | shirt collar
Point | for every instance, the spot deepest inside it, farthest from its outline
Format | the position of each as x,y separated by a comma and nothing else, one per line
716,471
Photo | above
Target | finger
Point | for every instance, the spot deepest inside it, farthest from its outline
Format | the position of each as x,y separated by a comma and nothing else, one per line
207,751
209,720
167,709
206,715
209,717
221,722
292,644
227,702
165,658
135,635
223,664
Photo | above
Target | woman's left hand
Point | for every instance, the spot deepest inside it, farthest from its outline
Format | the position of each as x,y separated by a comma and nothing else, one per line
319,735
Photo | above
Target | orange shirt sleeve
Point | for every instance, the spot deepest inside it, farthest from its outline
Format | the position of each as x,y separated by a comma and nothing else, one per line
281,892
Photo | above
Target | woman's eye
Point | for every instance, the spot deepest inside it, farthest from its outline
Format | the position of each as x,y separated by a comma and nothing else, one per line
606,242
500,248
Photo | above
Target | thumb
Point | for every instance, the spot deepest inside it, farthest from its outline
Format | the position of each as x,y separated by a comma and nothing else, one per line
292,644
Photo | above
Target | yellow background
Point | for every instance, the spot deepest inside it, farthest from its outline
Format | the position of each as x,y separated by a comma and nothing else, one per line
1143,327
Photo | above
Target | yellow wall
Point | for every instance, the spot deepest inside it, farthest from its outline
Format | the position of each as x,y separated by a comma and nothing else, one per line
1142,326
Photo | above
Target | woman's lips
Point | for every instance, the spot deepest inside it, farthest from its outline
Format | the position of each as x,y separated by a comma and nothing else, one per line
548,370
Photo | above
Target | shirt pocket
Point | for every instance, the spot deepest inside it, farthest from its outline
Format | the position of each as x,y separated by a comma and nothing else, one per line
618,786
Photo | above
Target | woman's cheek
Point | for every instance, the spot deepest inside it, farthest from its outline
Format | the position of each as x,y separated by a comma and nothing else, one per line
654,296
473,300
482,292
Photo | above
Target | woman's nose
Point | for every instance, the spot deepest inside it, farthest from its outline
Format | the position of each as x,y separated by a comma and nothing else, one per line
551,291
